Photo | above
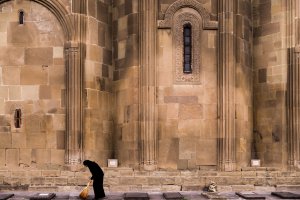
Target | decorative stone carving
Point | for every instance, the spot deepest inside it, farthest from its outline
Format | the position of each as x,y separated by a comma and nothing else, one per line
177,5
179,21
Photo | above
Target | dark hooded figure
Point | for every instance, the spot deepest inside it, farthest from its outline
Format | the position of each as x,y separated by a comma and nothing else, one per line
97,177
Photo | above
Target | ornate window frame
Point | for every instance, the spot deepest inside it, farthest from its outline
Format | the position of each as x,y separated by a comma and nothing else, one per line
186,16
176,16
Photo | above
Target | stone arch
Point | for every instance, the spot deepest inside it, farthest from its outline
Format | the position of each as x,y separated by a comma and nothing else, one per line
177,5
74,30
59,12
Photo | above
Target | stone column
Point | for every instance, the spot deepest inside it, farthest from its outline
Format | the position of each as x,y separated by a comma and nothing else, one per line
226,82
147,110
74,105
293,83
293,108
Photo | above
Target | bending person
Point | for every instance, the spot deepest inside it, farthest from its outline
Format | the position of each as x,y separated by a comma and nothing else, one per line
97,177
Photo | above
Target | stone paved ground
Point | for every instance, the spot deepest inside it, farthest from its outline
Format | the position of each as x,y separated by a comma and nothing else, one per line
190,195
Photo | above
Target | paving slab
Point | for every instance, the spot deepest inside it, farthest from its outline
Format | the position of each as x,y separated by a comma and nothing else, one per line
172,195
286,195
43,196
5,196
250,195
136,196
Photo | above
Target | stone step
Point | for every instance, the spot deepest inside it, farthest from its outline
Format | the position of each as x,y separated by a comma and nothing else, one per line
44,188
288,188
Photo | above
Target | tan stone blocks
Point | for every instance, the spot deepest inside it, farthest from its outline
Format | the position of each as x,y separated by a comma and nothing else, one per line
10,75
94,53
93,31
12,157
25,159
39,56
190,127
210,128
168,153
36,140
14,93
6,140
18,140
30,92
41,156
58,52
39,73
57,75
2,159
4,92
190,111
181,99
59,122
187,148
204,148
22,35
3,39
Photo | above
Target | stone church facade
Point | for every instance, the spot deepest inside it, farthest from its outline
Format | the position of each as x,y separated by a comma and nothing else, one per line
179,91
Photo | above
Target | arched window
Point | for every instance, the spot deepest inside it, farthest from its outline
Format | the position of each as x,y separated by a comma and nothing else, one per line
18,118
21,17
187,48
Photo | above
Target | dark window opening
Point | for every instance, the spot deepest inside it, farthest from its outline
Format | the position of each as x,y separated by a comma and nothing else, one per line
18,118
187,49
21,17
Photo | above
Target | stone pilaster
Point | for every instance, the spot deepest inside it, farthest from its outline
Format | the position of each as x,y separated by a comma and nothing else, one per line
293,108
293,86
147,20
73,103
226,82
74,63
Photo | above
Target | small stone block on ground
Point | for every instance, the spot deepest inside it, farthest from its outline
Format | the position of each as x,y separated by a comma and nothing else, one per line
62,197
212,195
250,195
286,195
172,195
136,196
43,196
5,196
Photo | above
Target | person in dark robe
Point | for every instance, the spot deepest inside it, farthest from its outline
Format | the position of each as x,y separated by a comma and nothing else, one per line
97,177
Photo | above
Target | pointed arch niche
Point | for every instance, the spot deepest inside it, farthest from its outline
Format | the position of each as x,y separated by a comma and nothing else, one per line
73,26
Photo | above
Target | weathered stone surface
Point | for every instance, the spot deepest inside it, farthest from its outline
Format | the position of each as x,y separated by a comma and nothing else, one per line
190,111
42,56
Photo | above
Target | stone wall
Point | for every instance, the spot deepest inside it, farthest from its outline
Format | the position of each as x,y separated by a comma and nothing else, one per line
243,81
32,78
270,77
127,179
126,80
187,103
98,81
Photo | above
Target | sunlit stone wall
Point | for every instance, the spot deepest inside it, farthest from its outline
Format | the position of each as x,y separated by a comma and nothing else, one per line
32,78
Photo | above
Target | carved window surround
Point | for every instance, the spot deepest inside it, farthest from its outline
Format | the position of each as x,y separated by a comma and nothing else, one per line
177,15
186,16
